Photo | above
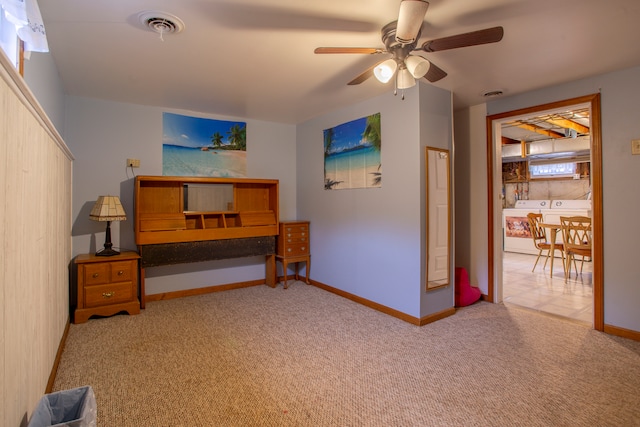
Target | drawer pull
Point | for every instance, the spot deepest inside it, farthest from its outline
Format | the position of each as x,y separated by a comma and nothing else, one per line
288,249
120,273
95,275
303,248
107,295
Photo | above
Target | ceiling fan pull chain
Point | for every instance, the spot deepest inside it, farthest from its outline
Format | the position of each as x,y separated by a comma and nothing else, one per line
395,85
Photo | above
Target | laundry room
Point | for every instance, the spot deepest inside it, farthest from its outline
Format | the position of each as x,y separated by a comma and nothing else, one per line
546,175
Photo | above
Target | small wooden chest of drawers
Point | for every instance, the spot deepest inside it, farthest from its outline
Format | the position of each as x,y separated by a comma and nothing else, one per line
106,285
293,246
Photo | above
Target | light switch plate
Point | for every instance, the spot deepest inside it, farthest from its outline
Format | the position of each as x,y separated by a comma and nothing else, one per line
635,146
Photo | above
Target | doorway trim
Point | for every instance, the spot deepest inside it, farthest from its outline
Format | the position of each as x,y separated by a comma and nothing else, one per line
596,195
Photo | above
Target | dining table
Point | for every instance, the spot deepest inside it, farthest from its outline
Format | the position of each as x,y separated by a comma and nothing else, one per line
553,233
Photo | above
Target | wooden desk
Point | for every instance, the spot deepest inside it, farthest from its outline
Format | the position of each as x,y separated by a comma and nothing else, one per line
208,250
553,232
179,219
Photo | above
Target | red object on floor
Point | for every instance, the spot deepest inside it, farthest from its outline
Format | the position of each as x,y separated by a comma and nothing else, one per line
465,293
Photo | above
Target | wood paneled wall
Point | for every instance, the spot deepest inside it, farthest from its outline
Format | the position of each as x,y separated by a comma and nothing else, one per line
35,246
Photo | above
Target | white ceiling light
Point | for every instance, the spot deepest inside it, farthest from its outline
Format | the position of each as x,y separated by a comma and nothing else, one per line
414,67
385,70
417,66
404,79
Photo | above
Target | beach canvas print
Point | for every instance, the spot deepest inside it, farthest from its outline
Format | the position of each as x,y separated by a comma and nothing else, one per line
194,146
352,154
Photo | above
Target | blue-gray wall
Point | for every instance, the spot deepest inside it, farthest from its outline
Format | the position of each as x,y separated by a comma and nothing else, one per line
370,242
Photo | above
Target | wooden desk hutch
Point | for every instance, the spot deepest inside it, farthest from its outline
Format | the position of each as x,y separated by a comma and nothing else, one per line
191,219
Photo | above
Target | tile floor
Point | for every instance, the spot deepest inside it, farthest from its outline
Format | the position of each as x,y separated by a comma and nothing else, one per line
540,292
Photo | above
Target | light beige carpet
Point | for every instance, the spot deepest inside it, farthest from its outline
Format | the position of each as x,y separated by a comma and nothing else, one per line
305,357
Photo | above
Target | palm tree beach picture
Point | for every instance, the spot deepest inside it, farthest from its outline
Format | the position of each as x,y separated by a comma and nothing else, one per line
193,146
352,154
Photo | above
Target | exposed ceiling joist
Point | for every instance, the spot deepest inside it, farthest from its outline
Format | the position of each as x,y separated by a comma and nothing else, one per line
540,130
569,124
506,141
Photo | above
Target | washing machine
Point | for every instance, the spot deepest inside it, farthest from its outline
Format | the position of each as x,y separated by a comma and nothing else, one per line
515,225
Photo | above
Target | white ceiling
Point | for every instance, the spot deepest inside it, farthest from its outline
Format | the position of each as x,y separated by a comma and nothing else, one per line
254,58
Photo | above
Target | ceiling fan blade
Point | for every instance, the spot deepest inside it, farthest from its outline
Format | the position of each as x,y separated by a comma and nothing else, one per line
357,50
364,76
474,38
410,20
435,73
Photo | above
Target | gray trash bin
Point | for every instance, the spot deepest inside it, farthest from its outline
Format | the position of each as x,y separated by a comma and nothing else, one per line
75,407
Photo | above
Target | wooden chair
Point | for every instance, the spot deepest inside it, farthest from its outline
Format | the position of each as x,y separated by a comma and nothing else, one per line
576,235
539,235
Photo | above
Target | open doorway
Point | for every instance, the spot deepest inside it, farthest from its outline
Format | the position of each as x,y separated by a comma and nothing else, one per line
497,196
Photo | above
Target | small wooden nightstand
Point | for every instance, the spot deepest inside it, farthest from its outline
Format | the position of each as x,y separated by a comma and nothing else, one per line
106,285
293,246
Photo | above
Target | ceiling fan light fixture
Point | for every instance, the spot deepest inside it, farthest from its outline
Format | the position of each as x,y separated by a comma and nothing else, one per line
404,79
385,70
417,66
410,19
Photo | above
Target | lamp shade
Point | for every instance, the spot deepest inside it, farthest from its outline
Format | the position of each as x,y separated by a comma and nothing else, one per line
404,79
108,208
417,66
385,70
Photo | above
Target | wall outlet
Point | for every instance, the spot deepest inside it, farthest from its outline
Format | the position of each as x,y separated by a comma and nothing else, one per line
133,163
635,146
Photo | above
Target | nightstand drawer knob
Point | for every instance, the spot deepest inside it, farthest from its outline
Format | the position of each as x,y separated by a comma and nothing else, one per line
120,273
288,249
108,294
95,275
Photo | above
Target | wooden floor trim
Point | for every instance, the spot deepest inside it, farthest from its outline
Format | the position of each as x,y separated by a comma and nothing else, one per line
56,361
384,309
622,332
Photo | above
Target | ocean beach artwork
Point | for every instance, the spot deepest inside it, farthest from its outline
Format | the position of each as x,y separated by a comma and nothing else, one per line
194,146
352,154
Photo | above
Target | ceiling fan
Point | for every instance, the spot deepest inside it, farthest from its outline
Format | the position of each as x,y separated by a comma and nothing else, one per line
400,39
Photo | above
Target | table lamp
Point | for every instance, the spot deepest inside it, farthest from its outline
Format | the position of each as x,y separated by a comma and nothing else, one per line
108,208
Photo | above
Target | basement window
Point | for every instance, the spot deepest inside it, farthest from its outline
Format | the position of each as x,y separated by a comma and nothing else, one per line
21,31
552,170
9,41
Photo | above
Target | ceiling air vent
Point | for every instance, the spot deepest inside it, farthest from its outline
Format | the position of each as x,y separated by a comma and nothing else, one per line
160,22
